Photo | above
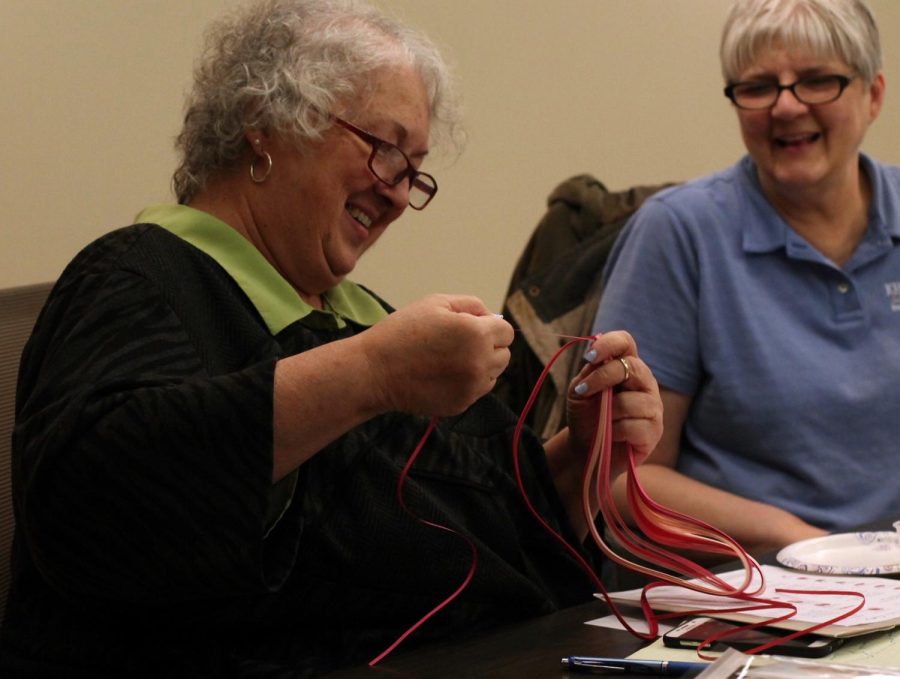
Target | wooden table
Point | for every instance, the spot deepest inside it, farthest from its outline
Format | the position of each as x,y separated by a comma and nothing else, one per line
529,649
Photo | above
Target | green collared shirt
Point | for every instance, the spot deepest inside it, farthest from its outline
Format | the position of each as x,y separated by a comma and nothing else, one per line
277,301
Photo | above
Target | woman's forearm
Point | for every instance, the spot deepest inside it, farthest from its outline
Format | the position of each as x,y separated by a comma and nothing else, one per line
757,526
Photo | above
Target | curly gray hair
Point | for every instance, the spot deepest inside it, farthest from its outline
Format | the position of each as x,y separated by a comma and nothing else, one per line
830,28
285,65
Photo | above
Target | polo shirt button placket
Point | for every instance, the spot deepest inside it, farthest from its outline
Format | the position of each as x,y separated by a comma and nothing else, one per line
847,307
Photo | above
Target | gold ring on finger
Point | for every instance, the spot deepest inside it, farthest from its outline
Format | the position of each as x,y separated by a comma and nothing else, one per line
627,369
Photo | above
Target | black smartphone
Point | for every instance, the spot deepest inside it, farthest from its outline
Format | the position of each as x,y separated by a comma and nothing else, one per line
691,633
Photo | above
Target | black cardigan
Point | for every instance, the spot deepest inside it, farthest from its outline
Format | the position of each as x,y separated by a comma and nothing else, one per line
142,467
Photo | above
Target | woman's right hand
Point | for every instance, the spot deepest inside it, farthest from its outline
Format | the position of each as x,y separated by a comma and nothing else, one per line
436,356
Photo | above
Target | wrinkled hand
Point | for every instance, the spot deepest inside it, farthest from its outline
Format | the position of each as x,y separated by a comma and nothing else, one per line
437,356
637,408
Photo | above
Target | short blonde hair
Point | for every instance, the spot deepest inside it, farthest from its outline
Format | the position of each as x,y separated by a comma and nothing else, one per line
830,28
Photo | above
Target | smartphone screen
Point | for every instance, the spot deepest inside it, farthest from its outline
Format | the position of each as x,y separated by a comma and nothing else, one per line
691,633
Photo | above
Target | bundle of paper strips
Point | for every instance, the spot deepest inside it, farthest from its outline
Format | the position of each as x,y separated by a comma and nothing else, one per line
880,612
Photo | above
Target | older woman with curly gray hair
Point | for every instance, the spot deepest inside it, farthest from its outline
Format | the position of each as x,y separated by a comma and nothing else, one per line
212,419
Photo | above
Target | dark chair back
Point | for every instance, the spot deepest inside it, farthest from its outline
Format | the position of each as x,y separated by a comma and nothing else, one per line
19,308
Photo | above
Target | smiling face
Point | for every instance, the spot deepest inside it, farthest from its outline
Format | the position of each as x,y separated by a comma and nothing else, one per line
799,147
321,207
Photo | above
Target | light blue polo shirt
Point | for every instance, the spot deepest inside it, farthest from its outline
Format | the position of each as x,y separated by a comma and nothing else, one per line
793,362
274,298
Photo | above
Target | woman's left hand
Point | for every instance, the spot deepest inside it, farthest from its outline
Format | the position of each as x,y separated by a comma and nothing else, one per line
613,361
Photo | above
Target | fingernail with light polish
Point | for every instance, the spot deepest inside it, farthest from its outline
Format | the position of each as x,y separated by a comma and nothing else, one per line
590,356
580,389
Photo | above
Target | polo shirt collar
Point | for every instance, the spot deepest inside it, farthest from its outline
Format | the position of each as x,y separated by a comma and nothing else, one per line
772,232
880,214
274,298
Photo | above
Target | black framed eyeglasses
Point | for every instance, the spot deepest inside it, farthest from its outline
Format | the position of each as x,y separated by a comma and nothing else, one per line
391,166
812,90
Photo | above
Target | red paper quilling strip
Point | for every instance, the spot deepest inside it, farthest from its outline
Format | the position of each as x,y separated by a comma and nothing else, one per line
662,528
472,568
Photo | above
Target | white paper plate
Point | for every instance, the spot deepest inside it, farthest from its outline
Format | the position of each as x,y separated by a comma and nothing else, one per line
867,553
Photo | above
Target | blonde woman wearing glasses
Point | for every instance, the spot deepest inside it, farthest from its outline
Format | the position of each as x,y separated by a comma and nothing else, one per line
766,298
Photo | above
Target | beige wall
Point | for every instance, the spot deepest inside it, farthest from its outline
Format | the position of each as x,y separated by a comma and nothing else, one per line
628,90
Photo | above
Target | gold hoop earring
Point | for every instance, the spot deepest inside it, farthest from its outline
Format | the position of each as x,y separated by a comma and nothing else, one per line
253,177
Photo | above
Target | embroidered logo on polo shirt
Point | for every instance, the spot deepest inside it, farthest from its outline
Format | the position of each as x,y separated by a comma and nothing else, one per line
892,290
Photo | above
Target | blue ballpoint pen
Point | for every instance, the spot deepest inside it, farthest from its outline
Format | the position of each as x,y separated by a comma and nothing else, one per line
668,668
